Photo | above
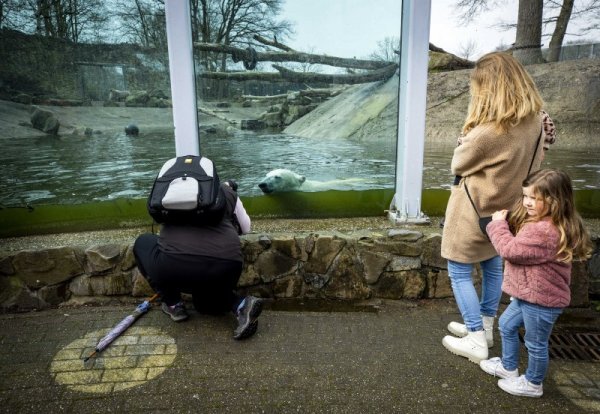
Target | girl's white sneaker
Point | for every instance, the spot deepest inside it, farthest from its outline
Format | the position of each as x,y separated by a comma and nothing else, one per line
521,387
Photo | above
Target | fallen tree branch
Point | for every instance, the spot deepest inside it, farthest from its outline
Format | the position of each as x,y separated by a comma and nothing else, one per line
216,115
323,92
273,43
299,57
372,76
287,75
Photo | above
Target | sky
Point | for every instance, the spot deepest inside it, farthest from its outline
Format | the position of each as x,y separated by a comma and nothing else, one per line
359,24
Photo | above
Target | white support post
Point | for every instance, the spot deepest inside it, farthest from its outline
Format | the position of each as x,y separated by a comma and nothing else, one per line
183,85
414,43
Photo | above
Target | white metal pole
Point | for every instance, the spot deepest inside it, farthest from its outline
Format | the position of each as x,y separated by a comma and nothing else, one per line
414,57
183,85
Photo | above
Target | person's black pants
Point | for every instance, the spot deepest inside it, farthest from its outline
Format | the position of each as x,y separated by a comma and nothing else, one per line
211,281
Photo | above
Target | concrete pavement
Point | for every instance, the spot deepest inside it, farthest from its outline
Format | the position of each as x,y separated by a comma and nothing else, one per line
386,358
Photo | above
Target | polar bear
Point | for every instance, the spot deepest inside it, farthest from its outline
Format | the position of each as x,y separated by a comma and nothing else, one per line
284,180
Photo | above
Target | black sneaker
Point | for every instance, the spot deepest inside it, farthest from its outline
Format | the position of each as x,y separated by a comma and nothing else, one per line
246,316
177,312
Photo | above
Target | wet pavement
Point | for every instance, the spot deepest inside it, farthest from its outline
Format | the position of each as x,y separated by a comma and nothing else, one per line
385,357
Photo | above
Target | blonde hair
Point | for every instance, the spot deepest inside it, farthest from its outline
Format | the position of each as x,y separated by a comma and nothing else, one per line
502,92
554,187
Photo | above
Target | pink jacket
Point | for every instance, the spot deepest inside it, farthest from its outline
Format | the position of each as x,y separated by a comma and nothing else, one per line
531,270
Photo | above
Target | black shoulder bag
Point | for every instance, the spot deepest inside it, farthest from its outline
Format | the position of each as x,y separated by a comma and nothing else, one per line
483,221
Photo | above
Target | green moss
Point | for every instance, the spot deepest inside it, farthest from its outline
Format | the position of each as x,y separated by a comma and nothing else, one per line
125,213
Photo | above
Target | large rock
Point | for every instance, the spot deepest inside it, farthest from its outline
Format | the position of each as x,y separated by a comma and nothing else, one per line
44,120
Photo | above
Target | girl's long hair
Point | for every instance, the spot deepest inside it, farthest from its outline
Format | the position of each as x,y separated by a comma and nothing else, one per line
554,187
502,93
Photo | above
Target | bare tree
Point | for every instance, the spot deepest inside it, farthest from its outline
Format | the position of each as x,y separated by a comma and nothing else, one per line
143,22
75,20
387,50
468,49
236,22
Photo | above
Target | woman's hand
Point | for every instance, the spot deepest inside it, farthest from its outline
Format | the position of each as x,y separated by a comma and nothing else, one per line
500,215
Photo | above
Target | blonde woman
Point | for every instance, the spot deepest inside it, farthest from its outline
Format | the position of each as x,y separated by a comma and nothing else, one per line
502,140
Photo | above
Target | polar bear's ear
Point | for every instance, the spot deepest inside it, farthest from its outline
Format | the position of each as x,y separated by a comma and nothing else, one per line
302,179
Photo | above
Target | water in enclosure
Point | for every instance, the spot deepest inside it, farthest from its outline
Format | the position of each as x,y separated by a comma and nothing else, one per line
68,170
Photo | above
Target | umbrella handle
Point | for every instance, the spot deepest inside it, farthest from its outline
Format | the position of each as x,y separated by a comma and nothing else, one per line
145,306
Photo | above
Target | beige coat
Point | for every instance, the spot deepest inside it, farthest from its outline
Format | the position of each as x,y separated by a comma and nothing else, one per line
494,166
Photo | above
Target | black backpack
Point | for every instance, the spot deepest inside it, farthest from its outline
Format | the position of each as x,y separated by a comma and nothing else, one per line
187,191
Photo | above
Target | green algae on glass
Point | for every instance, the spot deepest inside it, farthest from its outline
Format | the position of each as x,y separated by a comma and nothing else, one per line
127,213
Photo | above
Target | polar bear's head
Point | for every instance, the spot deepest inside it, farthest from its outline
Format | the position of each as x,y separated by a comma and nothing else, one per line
281,180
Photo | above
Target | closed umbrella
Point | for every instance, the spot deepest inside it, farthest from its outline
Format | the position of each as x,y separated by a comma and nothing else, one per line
121,327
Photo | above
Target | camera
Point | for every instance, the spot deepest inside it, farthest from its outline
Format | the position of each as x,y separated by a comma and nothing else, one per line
232,184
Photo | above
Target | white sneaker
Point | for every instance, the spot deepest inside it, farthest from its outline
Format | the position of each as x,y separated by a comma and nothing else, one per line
460,329
473,346
493,366
521,387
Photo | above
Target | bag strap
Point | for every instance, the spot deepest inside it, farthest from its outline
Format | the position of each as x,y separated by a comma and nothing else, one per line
470,199
537,144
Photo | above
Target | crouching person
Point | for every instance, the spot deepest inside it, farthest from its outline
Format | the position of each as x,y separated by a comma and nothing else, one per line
204,260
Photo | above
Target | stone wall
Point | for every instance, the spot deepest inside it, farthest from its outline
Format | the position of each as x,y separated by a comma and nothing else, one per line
391,264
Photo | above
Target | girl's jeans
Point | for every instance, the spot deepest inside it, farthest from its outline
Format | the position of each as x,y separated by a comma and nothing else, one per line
471,308
538,321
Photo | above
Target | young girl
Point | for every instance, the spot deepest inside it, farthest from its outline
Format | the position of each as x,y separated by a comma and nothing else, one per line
549,235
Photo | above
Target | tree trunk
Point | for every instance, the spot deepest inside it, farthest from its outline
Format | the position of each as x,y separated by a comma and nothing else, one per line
244,54
528,48
559,30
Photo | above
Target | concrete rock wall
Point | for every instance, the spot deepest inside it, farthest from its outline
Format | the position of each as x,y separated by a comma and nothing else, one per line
392,264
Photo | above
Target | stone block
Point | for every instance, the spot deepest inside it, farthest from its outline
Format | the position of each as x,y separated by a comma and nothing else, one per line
54,294
399,263
346,279
272,264
288,245
415,285
400,248
438,284
405,235
14,296
47,267
373,263
101,259
288,287
326,248
315,281
251,248
249,276
140,286
432,249
128,261
6,266
390,285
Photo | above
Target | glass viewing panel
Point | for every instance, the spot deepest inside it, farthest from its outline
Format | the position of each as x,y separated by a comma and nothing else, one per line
308,86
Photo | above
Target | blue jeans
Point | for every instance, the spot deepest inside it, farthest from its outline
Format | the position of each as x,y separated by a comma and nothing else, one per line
538,321
471,308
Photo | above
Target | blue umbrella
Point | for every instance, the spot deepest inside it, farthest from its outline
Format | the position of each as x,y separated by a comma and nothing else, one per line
122,326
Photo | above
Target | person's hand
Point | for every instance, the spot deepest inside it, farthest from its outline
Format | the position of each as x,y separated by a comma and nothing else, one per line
500,215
